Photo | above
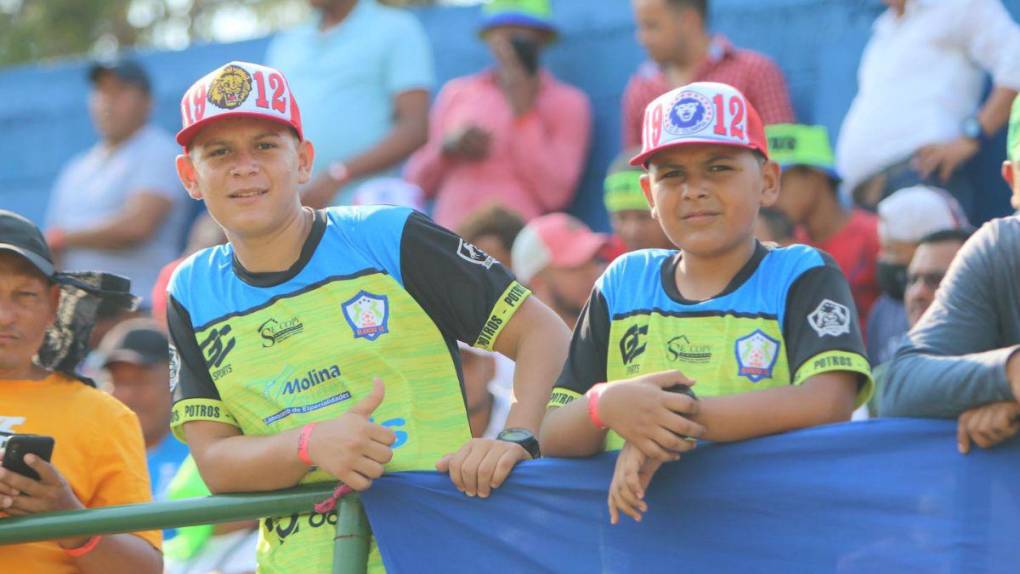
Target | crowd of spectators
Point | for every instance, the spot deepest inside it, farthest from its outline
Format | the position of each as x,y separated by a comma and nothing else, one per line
498,158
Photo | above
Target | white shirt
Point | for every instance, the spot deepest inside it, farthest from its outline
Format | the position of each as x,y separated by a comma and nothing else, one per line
921,75
230,553
502,388
96,184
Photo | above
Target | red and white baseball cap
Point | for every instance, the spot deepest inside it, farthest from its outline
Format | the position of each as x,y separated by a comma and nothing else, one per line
554,239
700,113
238,89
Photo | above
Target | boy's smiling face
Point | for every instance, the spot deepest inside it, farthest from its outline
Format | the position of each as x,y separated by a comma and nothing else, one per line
247,170
706,197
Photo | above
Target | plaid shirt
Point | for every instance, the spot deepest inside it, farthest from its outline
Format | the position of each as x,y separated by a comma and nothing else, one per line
752,73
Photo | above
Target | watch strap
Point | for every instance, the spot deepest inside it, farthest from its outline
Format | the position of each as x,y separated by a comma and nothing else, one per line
529,442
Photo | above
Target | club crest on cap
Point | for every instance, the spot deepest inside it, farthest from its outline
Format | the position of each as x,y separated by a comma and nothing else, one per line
230,88
690,112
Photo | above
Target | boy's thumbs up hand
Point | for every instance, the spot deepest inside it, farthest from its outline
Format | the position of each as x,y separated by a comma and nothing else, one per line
352,448
366,406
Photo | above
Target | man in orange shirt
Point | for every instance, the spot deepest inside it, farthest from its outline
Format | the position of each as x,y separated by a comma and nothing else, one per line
99,454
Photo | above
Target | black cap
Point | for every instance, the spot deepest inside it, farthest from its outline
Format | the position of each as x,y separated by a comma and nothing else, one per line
129,71
136,341
21,236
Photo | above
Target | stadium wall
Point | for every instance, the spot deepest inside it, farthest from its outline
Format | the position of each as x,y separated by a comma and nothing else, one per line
817,43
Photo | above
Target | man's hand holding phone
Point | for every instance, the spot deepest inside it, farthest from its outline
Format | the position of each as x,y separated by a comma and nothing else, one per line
518,73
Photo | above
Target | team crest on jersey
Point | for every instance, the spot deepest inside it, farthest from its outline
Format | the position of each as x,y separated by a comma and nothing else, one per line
830,318
368,315
756,355
690,113
472,254
230,88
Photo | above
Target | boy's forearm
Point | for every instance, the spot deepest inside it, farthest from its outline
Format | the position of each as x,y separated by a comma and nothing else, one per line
537,340
567,431
538,364
822,399
242,463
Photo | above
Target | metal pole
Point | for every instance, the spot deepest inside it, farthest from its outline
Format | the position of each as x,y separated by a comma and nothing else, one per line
160,515
353,535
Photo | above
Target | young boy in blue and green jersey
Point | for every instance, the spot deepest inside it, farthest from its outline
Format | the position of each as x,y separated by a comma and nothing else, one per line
770,335
286,339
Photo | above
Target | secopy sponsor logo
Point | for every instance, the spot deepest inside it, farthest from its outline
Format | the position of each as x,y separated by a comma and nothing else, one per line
682,349
273,331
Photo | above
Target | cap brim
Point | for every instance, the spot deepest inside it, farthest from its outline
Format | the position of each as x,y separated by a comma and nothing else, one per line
581,251
44,267
515,19
185,136
127,356
642,158
133,74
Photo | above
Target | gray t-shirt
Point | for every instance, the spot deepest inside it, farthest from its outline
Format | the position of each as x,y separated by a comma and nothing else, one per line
887,324
955,357
97,183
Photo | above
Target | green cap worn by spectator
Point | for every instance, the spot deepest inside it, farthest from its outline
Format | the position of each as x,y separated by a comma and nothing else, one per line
793,145
526,13
187,483
1013,139
623,187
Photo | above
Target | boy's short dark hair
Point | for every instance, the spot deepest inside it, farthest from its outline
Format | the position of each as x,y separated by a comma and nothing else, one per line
701,6
494,220
961,235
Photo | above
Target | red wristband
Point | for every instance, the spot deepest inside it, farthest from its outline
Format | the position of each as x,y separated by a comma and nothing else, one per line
303,439
84,549
594,394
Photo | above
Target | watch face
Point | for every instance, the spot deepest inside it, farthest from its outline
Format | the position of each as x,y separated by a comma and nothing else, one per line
515,435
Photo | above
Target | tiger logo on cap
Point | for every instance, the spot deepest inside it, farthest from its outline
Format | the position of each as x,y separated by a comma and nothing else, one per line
230,88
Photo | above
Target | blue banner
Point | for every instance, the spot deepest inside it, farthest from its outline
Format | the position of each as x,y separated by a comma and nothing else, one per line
870,497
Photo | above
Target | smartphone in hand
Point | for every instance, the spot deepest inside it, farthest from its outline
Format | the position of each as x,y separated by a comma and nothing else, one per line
18,445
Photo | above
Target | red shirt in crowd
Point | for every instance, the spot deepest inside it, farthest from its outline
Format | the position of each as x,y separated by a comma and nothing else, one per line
855,249
752,73
534,161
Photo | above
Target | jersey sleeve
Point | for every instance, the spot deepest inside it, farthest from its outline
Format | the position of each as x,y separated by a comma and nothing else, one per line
586,362
822,328
195,395
469,295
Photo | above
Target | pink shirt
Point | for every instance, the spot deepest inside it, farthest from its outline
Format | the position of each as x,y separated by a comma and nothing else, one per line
754,74
534,161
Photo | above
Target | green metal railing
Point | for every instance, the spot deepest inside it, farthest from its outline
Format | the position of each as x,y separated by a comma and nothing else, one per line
350,554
